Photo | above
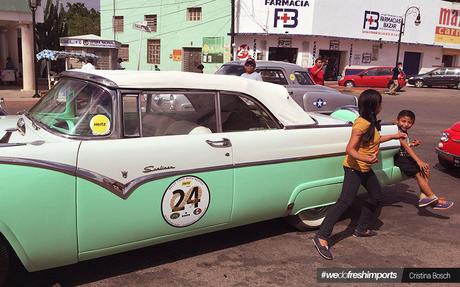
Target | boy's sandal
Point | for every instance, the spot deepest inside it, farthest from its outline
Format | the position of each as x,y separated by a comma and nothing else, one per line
427,201
443,204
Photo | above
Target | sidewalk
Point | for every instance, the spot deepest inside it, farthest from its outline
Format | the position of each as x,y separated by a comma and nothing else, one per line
354,90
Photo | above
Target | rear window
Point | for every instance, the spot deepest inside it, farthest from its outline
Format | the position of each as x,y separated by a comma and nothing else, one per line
303,78
235,70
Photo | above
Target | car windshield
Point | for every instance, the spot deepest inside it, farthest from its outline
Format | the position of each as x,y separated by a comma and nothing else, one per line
77,108
235,70
303,78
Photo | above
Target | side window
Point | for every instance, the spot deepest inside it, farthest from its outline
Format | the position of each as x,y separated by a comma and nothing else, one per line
131,127
239,113
178,113
273,76
374,72
439,72
384,72
452,71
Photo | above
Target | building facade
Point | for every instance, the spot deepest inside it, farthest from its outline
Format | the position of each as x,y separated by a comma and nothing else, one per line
183,34
16,40
352,33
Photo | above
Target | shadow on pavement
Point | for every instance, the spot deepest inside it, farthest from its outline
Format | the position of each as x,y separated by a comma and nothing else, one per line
119,264
454,172
394,194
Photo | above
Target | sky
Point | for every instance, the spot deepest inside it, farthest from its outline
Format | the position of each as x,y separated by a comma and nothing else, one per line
88,3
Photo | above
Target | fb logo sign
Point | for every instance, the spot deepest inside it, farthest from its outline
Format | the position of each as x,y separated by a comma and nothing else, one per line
371,19
288,16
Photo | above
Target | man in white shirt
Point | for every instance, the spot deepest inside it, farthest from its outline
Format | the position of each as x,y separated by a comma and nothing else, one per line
88,65
250,70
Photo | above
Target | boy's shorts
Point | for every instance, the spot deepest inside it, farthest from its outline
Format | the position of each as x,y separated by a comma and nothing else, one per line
407,165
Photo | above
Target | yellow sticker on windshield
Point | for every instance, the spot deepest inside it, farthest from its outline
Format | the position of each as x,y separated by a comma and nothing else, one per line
100,125
292,77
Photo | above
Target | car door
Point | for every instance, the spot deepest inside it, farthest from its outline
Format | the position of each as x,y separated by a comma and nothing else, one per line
168,176
451,77
371,79
384,77
436,77
271,162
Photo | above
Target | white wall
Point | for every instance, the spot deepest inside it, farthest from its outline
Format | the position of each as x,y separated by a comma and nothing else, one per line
431,55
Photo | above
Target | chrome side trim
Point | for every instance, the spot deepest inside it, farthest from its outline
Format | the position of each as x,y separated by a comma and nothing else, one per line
11,144
125,190
56,166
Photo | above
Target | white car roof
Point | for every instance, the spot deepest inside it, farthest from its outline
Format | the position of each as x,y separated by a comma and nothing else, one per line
275,97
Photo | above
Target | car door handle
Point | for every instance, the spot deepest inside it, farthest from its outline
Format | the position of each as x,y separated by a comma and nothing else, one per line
220,144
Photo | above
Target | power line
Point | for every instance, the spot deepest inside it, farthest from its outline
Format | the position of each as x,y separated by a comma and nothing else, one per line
185,28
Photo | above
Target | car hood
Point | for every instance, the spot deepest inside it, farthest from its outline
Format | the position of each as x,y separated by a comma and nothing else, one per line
456,127
316,88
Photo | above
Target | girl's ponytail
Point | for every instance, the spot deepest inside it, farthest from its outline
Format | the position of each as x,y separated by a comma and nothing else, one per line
369,102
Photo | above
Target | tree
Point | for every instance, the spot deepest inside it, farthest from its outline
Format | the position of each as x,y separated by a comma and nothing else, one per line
49,32
53,27
81,20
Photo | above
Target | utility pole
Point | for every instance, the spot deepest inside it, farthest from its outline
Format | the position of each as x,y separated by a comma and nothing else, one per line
113,20
232,30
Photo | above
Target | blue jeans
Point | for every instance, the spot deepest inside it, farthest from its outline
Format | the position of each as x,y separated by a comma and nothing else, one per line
352,180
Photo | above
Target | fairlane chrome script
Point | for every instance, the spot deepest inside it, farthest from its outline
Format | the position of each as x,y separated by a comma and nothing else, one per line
152,168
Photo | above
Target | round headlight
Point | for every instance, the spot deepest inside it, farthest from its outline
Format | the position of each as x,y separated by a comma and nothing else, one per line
444,137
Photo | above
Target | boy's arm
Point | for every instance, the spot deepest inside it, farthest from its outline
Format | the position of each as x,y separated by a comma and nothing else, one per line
396,136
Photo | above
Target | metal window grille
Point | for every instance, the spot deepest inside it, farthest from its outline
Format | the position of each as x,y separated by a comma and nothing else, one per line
153,51
118,23
123,52
194,14
151,22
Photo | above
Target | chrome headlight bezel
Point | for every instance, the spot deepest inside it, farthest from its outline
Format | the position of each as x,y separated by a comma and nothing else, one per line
444,137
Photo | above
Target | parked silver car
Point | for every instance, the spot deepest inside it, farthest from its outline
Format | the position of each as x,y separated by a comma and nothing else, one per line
311,97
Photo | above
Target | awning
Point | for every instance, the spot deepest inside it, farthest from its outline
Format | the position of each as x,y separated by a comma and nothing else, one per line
52,55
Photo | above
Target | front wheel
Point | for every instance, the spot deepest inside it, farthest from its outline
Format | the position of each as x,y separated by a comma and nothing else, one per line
349,84
458,86
419,84
444,163
4,262
308,219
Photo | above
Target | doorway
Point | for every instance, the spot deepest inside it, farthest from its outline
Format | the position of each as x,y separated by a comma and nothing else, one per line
191,60
447,60
332,59
283,54
411,65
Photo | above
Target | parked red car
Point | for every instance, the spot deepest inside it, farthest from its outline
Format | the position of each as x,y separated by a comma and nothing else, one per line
448,149
377,77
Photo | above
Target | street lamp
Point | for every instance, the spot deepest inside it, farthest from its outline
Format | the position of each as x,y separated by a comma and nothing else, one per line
417,22
33,4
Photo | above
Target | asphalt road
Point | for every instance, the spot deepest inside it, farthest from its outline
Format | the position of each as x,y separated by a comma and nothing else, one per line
273,254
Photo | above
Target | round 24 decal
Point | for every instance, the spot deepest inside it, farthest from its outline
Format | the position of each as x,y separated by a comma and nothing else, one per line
185,201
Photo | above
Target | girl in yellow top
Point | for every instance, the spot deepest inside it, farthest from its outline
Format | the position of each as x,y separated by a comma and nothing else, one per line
361,152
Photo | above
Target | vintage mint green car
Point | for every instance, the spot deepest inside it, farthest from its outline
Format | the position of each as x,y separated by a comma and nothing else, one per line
111,161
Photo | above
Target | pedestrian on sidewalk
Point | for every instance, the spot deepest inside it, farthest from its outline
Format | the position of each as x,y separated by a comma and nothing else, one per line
250,70
361,153
395,85
317,71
